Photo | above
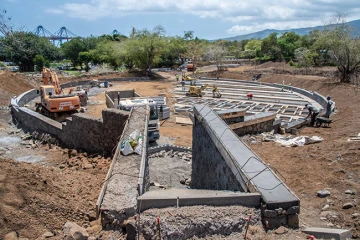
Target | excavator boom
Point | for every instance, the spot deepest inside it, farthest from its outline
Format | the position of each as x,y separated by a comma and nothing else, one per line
50,77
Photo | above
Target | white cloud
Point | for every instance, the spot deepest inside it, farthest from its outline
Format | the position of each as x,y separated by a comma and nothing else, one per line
248,16
244,29
54,11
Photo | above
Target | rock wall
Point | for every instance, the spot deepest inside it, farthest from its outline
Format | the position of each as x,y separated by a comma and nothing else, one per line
94,135
220,158
209,169
266,126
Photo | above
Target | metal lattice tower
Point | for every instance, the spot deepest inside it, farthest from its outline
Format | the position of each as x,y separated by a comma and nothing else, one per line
42,32
64,34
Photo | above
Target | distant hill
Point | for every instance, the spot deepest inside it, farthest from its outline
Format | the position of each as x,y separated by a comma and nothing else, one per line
301,31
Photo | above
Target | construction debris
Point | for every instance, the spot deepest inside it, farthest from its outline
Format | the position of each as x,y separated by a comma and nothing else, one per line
291,141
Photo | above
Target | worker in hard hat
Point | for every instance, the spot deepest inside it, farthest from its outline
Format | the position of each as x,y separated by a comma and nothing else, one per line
215,90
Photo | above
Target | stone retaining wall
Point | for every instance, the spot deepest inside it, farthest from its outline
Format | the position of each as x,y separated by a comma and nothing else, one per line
93,135
221,161
209,169
255,124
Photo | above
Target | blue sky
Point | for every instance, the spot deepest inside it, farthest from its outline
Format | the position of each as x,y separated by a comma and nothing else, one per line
209,19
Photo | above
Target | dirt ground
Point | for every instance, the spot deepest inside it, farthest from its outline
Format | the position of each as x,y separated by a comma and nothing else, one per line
37,197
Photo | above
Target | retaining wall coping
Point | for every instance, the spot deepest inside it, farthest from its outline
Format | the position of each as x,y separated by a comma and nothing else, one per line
42,118
191,197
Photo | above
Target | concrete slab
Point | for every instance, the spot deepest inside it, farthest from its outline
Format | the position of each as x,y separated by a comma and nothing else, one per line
329,233
191,197
186,121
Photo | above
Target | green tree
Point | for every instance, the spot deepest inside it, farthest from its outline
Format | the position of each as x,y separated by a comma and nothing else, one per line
288,43
253,44
22,47
146,48
174,48
40,62
270,47
342,47
71,50
195,49
74,47
86,58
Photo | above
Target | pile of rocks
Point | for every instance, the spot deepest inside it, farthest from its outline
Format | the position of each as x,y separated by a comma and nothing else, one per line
82,160
173,154
44,138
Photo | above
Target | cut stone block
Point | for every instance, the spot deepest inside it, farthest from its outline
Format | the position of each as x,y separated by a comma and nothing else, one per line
329,233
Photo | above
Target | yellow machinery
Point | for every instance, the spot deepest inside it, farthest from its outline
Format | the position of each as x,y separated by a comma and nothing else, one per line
54,103
195,91
186,78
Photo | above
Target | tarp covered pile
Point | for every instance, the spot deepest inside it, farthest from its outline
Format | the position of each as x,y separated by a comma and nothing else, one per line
291,141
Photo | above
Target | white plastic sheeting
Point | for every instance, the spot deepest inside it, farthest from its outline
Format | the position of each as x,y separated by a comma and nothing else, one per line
291,141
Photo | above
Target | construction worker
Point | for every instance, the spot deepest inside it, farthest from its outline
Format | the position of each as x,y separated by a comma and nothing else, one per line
183,84
328,107
177,77
282,86
249,96
313,111
215,90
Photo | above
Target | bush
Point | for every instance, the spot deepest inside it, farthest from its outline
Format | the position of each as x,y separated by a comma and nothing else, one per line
291,63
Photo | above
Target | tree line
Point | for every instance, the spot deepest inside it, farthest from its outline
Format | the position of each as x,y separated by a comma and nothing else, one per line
145,49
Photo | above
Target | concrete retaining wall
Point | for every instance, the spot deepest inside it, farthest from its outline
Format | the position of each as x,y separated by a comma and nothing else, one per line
109,102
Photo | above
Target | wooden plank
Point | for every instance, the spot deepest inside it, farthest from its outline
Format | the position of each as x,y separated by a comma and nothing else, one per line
186,121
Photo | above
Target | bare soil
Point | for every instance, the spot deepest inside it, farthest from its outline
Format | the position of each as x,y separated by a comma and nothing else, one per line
42,196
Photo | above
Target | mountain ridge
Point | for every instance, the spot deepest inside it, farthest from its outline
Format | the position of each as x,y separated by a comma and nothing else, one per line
301,31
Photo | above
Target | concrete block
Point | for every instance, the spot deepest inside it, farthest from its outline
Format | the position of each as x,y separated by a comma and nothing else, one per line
270,213
276,222
329,233
293,221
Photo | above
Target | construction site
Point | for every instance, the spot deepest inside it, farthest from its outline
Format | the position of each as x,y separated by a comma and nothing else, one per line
213,155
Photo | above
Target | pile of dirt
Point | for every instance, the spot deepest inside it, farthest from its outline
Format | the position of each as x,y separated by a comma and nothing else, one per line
103,75
13,84
35,199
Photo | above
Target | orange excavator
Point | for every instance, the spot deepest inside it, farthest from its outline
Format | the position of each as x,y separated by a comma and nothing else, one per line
54,103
